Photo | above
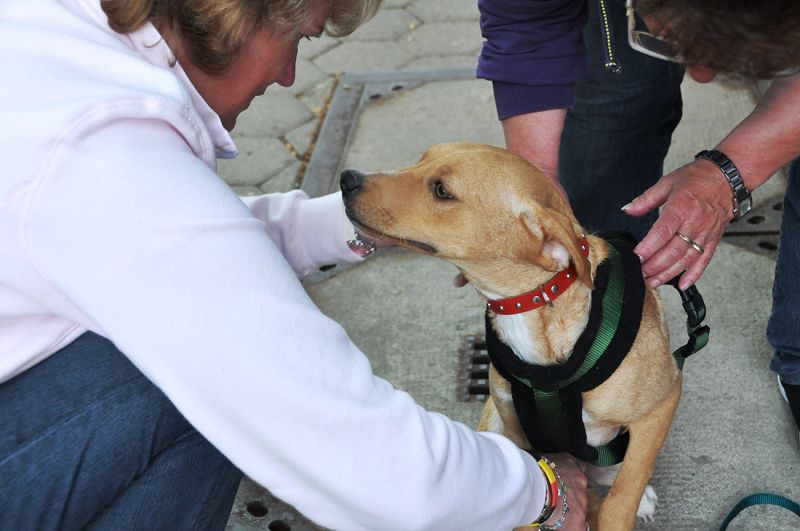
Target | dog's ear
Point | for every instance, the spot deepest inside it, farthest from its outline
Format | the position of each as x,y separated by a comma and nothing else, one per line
553,229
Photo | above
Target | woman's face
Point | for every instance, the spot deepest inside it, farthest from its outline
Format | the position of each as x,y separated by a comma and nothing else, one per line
265,59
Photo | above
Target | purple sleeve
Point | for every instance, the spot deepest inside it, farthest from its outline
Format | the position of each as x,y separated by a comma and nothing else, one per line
533,53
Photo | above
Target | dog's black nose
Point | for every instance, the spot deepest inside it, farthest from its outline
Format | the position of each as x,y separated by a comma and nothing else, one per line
351,180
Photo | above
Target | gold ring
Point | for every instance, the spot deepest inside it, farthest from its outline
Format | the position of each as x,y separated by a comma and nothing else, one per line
694,245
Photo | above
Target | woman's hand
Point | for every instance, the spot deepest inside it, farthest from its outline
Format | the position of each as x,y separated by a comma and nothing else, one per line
698,205
572,473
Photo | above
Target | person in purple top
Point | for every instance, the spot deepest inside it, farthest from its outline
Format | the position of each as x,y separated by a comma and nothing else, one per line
589,91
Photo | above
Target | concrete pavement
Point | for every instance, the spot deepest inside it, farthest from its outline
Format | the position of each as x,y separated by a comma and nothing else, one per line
376,100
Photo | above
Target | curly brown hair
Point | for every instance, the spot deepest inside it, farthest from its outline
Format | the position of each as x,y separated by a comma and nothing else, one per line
214,31
752,37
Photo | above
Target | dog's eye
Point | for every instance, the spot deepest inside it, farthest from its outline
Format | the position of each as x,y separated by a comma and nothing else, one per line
440,191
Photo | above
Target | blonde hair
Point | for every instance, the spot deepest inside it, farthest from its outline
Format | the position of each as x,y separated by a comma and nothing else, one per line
214,31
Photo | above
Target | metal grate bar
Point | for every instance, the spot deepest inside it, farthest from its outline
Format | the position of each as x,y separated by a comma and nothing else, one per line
473,369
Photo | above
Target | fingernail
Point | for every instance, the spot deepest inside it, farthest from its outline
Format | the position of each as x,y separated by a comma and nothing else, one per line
626,207
654,283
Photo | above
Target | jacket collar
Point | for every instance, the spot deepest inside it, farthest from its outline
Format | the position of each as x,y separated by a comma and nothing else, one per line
148,43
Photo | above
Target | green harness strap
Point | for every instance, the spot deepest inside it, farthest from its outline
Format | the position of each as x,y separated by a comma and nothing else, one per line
548,401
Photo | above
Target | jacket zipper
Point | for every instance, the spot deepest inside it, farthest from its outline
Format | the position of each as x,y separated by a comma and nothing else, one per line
608,50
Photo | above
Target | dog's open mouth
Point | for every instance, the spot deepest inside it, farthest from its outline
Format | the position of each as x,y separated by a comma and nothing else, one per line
369,231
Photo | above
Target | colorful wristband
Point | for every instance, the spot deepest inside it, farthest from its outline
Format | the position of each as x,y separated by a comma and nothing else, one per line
551,497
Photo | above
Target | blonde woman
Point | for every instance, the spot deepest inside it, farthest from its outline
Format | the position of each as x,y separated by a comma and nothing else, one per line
154,338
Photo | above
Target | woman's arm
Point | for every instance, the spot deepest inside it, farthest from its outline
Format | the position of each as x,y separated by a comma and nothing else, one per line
697,198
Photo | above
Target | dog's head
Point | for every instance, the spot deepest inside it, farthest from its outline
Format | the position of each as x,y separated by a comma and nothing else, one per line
465,203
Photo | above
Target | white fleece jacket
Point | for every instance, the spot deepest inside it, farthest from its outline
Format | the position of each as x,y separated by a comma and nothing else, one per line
112,219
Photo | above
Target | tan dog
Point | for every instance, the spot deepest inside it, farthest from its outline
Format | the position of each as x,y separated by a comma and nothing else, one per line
508,230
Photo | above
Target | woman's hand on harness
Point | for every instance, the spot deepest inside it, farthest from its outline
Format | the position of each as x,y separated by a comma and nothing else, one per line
697,207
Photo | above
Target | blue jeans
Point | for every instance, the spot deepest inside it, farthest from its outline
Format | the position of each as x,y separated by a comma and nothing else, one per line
86,441
783,330
616,137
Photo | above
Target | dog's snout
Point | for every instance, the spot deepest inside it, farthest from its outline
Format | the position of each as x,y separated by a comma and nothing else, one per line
351,180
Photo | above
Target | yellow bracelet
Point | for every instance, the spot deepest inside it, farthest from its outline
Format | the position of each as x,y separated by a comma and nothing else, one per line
551,494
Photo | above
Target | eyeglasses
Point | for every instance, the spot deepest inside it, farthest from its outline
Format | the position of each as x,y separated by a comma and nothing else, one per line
647,43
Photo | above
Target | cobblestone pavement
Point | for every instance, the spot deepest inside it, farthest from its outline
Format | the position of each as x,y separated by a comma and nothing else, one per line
275,136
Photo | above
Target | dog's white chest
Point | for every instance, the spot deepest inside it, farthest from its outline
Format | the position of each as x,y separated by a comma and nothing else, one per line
535,344
515,331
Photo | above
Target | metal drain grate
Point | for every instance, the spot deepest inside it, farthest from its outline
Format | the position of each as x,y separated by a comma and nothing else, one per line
257,509
474,368
760,230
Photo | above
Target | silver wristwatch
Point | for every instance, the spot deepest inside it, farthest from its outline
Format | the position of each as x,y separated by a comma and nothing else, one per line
742,200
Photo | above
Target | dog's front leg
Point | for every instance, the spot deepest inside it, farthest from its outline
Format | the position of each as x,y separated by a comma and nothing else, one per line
647,434
498,414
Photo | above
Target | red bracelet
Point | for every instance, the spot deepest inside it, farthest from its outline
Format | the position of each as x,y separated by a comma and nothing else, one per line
551,498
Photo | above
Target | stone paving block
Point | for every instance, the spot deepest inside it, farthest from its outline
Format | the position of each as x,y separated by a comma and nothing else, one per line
316,98
710,111
396,131
307,76
444,38
363,57
310,49
445,10
437,62
285,180
245,191
301,138
273,115
388,25
258,160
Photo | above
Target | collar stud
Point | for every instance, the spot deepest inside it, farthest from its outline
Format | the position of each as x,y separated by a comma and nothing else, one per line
541,296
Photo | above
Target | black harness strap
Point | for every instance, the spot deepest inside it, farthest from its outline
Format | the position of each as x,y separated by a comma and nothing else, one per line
695,309
548,399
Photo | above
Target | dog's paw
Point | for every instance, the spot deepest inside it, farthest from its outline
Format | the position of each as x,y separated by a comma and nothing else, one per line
647,506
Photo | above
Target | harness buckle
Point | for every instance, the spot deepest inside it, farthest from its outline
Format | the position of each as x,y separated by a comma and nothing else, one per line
692,302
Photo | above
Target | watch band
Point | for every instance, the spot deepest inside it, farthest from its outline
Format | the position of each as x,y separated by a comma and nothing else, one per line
742,200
